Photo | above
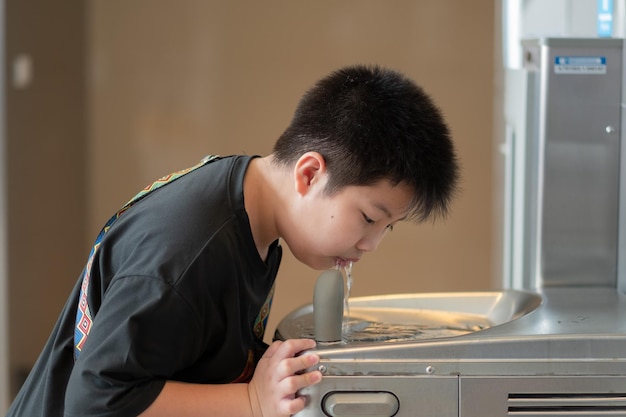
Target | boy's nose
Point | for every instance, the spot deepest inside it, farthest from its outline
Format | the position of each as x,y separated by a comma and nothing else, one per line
370,242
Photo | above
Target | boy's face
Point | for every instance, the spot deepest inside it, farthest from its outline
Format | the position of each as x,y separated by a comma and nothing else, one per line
340,228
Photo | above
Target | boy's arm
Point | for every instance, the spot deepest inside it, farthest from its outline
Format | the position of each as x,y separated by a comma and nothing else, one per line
270,393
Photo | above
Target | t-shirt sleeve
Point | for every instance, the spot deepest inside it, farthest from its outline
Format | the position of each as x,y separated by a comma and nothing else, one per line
142,334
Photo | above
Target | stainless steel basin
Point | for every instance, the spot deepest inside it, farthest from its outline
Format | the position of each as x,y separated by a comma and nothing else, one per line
473,354
404,317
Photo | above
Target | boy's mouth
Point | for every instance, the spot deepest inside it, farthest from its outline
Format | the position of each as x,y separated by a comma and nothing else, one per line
343,262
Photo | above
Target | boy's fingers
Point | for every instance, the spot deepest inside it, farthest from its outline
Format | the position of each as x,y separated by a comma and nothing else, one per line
291,385
292,406
271,351
288,349
309,378
305,361
292,347
295,365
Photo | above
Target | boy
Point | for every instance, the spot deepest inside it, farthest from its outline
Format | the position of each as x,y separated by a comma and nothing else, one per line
168,315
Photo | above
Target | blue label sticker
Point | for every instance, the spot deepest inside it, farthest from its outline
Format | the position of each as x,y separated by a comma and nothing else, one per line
605,18
580,65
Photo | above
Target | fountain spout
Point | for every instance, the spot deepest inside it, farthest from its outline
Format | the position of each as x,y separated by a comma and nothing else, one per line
328,307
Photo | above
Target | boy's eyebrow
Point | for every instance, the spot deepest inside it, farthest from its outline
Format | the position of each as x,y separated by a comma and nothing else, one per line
384,209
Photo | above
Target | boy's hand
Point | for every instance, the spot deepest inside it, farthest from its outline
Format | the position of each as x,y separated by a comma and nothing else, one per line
278,377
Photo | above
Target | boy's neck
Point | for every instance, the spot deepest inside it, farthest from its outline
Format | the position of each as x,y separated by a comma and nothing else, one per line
261,201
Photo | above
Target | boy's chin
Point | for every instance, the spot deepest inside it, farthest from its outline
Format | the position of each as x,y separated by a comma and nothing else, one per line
323,264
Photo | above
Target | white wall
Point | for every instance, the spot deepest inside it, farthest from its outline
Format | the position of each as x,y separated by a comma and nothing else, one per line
525,19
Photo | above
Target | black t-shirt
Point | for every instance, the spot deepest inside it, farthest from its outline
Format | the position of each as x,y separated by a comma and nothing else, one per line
175,288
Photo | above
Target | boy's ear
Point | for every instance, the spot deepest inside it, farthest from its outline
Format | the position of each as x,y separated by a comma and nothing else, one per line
308,170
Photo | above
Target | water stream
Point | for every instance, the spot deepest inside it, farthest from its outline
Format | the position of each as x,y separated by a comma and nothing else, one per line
346,306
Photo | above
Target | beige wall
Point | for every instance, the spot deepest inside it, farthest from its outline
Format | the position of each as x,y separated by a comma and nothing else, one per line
45,148
171,81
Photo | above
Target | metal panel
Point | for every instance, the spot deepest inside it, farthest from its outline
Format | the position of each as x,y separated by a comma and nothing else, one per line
542,396
621,262
520,182
578,142
418,396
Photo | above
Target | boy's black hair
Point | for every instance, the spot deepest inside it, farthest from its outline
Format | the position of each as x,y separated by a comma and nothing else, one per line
370,124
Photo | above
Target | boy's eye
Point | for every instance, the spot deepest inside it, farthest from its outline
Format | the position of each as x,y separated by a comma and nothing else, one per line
390,227
367,219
